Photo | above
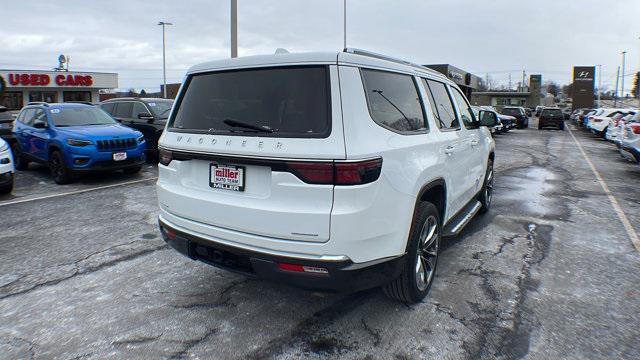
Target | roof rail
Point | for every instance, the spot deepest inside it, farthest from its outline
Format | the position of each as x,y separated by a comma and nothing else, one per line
38,103
383,57
80,102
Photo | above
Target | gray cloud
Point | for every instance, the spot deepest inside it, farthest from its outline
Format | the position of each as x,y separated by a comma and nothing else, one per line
495,37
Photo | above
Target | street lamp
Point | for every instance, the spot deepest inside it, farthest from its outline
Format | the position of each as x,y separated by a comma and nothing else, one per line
164,59
624,56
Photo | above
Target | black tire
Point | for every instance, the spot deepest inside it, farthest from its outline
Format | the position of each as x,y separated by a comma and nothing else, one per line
561,126
20,161
486,194
132,170
61,174
6,189
419,269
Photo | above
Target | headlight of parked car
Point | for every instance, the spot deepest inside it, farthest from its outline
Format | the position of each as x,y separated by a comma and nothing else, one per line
141,139
75,142
4,147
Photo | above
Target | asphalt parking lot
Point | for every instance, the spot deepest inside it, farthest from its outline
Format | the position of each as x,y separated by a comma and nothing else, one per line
549,272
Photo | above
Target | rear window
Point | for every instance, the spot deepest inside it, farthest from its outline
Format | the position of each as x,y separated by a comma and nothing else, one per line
551,112
277,102
512,111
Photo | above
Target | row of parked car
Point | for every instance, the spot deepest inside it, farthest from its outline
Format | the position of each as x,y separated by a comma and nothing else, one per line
75,138
619,126
509,117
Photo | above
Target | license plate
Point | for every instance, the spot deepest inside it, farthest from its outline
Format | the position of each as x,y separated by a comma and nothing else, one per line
226,177
119,156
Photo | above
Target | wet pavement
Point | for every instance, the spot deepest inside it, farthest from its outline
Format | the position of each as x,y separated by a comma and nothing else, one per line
549,272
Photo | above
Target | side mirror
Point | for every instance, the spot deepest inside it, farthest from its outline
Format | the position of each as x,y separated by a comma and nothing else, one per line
145,116
39,124
488,118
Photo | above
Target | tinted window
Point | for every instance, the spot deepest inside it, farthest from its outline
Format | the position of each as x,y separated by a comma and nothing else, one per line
393,101
551,112
465,109
280,102
441,105
80,116
139,108
123,110
108,107
512,111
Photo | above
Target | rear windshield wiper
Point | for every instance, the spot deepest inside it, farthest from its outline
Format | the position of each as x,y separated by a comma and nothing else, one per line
242,124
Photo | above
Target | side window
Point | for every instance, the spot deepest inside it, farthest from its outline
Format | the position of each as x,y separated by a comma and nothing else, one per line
26,117
139,108
393,101
108,107
441,105
40,116
465,109
123,110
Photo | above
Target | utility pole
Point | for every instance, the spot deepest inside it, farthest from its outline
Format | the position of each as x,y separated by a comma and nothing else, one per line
624,55
510,85
164,59
524,75
615,94
234,28
599,83
344,24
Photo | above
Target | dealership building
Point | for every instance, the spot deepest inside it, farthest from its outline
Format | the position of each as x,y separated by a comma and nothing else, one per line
19,87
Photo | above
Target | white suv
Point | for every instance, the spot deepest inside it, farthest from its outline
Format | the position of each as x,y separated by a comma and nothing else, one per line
335,171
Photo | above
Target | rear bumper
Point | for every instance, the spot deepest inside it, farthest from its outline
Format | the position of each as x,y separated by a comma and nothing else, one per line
336,276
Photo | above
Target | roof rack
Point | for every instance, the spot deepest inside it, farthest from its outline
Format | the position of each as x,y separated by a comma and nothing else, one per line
38,103
372,54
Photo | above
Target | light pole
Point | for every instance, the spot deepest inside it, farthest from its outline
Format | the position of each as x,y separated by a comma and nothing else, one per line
599,83
164,59
344,22
624,55
234,28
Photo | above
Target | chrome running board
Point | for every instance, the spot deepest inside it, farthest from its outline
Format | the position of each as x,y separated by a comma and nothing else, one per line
461,220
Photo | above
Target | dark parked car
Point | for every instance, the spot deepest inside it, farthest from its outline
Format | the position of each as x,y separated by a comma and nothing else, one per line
6,123
551,117
522,120
147,115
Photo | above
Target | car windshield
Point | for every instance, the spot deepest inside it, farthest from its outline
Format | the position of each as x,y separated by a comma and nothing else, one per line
80,116
160,108
511,111
283,102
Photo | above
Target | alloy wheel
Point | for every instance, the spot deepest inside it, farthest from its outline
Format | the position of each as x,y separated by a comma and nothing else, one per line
488,189
427,254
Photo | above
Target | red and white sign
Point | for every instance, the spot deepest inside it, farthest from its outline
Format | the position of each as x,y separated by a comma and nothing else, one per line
19,78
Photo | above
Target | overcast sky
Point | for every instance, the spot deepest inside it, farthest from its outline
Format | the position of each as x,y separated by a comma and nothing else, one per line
492,37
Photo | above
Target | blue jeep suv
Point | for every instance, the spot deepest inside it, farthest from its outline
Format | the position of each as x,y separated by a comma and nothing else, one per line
72,138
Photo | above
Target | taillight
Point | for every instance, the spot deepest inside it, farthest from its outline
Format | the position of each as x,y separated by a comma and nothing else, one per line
313,173
635,128
354,173
165,157
337,172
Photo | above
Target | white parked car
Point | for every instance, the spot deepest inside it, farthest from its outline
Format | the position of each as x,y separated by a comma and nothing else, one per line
7,169
599,122
630,142
336,171
616,126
